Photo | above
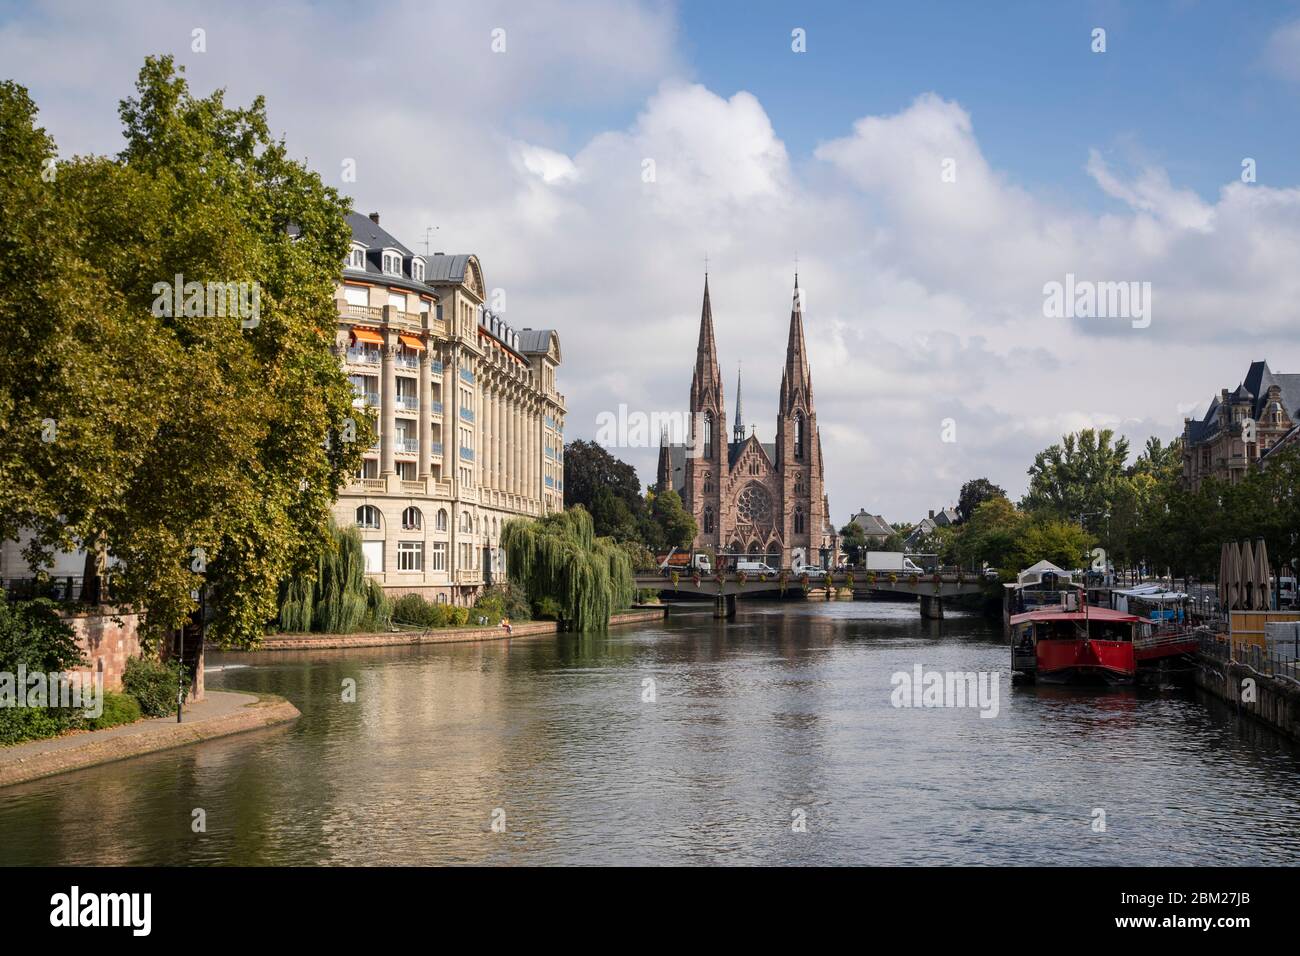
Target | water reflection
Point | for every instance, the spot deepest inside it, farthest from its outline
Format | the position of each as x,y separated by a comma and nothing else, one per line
785,710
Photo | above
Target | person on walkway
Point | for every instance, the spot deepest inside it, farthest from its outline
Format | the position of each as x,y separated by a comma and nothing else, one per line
505,623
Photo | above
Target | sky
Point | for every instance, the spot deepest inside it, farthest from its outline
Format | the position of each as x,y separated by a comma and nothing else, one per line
932,168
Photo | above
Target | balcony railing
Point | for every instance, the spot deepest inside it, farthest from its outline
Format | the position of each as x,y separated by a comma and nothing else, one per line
435,367
413,486
408,361
364,356
467,454
435,407
411,445
467,375
364,312
370,398
435,448
467,414
409,402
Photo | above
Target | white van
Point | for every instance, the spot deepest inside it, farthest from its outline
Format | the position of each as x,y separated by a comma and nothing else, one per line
754,567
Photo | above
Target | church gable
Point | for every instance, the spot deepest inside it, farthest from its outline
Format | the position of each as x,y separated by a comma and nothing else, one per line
749,459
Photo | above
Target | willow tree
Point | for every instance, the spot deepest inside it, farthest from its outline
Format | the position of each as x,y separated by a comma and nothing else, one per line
337,597
559,557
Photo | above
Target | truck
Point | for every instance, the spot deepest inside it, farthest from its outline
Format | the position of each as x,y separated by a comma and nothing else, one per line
686,562
895,561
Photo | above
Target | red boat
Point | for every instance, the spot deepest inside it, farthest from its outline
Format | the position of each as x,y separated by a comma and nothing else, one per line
1066,644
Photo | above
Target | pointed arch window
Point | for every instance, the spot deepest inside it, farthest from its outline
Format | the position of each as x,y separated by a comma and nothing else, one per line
799,521
708,484
708,520
798,435
708,434
798,483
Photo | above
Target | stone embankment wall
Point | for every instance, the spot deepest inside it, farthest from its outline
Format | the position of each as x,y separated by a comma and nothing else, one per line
441,635
1277,701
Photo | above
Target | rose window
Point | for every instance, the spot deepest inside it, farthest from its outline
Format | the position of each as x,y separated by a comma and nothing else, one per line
754,505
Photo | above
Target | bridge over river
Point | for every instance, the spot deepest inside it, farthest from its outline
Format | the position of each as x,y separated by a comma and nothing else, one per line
724,589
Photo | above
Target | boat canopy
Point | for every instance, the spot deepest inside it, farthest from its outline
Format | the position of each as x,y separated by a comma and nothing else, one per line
1034,575
1152,593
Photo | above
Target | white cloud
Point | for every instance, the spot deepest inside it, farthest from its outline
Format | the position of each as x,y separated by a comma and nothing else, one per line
1282,51
924,297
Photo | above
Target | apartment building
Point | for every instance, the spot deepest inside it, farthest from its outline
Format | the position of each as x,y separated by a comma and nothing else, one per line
471,425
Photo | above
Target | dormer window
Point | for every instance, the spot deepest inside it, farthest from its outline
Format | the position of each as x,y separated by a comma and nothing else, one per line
417,270
392,262
357,257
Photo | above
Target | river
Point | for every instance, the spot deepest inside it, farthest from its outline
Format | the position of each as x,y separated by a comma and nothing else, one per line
771,739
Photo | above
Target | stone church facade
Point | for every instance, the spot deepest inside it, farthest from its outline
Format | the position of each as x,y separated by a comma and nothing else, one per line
752,500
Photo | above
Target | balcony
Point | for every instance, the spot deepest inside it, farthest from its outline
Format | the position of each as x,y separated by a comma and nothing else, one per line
367,398
406,360
467,376
435,407
466,454
410,446
409,402
467,414
440,488
469,576
365,313
416,487
363,356
435,448
435,367
373,484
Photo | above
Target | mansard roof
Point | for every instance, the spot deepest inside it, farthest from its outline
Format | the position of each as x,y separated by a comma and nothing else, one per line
1254,388
368,233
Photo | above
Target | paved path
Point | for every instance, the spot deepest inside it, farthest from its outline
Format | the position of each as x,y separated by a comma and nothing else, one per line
219,714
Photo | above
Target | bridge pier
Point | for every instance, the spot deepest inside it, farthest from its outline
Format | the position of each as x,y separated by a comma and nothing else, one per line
931,607
724,606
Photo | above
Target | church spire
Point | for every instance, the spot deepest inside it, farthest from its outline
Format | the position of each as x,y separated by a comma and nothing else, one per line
738,432
706,383
796,380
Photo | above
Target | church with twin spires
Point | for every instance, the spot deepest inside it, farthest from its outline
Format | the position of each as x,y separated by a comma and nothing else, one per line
752,500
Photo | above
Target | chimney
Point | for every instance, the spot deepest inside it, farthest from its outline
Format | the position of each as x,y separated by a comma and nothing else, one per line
374,217
931,512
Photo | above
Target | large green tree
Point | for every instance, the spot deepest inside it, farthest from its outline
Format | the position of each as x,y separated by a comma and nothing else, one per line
1076,478
200,450
608,489
974,493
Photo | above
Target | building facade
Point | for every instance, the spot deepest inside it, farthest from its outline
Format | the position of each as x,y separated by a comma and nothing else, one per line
1241,427
752,500
471,424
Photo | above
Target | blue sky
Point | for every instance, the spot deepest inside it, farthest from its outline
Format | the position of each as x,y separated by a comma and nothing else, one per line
924,297
1183,83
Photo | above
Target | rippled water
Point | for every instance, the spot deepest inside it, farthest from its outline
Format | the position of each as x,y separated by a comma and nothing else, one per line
785,709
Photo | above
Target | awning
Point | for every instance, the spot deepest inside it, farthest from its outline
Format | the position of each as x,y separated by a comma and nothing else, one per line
411,342
368,336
